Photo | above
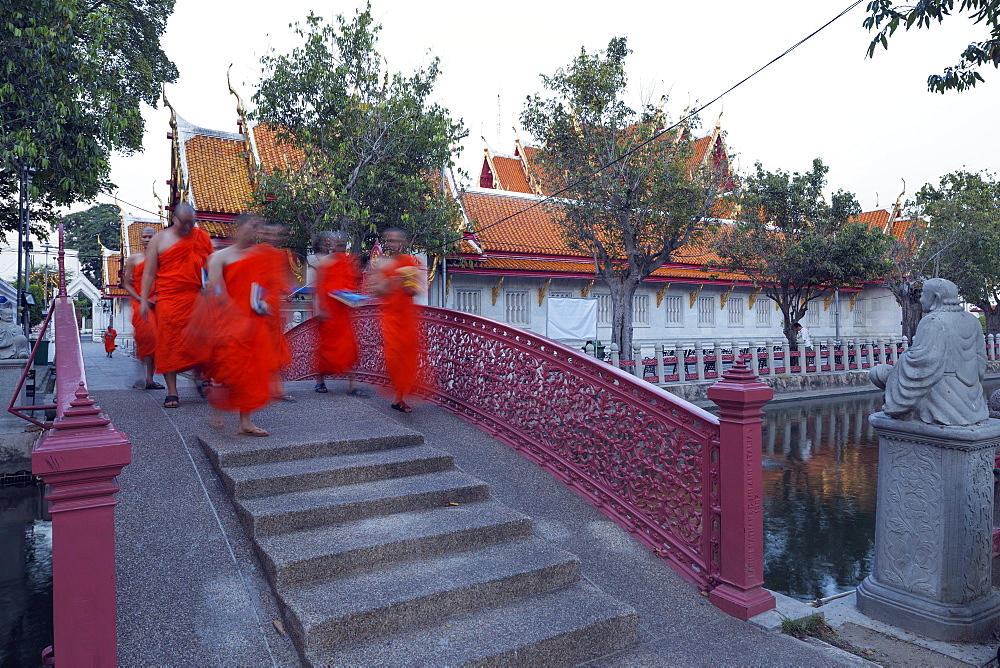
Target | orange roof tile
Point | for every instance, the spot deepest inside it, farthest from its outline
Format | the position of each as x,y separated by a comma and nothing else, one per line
514,224
113,270
511,174
587,269
218,230
134,231
219,174
274,155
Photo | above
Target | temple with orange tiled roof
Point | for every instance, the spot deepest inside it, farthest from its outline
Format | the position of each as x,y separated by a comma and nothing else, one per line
514,257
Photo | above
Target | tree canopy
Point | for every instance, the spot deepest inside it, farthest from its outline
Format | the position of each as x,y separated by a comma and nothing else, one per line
795,245
87,231
372,144
72,77
886,17
628,192
963,241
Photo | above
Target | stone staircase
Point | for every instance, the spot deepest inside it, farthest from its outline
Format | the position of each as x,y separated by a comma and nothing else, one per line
380,552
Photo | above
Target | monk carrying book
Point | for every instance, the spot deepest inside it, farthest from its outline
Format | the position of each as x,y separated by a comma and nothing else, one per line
246,362
337,350
396,279
175,259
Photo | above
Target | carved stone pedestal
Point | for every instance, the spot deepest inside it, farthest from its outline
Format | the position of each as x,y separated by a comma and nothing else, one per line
932,571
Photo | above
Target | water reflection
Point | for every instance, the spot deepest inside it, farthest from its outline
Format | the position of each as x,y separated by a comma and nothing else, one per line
820,484
25,576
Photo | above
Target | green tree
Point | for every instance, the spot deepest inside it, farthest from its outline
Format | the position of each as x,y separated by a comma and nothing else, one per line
964,237
36,313
886,17
795,245
647,202
72,77
87,231
371,145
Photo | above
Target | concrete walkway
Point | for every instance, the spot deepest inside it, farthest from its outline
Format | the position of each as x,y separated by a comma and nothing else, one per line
190,591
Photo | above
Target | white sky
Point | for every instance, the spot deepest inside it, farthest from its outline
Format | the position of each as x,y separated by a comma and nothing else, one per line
872,121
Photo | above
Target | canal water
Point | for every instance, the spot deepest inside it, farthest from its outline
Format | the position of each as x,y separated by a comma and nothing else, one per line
820,484
25,575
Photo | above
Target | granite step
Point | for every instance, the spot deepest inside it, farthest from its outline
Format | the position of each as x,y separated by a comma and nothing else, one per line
359,605
564,627
309,440
339,549
296,475
283,513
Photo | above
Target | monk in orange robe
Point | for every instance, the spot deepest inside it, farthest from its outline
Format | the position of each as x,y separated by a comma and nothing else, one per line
280,281
247,364
109,340
397,277
143,329
337,350
175,258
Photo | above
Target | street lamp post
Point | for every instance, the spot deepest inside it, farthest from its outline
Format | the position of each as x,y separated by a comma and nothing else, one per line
23,230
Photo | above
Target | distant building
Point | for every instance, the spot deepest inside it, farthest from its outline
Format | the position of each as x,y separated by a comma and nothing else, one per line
510,263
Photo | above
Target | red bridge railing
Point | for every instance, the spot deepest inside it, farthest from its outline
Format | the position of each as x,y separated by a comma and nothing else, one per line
79,458
685,483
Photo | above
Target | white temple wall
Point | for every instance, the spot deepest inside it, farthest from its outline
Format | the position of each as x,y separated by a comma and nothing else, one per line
874,313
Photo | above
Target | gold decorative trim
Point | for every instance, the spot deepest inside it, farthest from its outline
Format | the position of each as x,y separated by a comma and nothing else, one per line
828,300
496,290
542,290
724,297
753,298
693,296
660,293
585,292
447,285
853,299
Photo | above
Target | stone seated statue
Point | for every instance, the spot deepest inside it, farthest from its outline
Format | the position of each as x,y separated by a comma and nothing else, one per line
13,342
939,379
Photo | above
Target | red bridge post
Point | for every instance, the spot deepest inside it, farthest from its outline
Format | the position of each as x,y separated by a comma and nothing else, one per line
79,459
740,395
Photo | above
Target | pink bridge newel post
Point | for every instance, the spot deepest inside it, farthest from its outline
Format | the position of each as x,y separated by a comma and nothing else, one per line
740,395
79,458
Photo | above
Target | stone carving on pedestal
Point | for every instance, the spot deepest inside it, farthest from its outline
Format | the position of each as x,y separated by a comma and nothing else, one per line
935,490
13,342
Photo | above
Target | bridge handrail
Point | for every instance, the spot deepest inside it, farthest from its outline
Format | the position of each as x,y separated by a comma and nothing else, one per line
79,458
644,457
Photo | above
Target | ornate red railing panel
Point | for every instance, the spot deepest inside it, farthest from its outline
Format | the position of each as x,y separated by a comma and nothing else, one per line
645,458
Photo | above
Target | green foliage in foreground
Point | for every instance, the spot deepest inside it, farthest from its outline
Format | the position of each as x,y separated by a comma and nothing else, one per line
73,75
372,144
886,17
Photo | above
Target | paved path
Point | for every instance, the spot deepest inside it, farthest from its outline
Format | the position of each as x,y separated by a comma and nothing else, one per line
190,591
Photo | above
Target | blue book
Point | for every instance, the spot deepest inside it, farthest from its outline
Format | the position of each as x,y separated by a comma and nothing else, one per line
257,300
352,299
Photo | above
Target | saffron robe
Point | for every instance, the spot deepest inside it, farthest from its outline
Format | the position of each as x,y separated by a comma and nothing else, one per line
144,330
400,333
245,362
337,350
178,283
276,279
109,340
